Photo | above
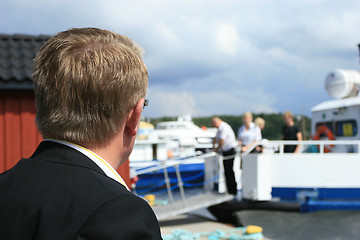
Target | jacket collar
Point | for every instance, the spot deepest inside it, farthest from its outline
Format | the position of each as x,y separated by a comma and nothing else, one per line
62,154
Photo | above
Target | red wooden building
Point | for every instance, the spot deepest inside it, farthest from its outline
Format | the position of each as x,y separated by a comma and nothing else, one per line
19,136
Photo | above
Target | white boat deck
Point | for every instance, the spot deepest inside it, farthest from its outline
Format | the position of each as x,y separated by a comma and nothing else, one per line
261,173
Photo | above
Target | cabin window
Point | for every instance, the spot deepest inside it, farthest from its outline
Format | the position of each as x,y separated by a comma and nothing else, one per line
346,128
329,125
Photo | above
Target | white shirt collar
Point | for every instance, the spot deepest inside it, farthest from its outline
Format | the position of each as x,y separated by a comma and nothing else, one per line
252,125
101,163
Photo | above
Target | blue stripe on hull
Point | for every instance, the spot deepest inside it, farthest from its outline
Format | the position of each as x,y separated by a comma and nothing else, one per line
295,194
314,205
314,199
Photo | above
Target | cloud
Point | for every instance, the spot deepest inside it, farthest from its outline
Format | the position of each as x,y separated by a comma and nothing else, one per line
170,101
224,57
227,39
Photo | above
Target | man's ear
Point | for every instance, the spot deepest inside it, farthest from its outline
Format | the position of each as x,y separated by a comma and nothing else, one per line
133,118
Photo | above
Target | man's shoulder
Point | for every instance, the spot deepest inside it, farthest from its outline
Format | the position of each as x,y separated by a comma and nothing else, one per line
131,201
131,217
225,126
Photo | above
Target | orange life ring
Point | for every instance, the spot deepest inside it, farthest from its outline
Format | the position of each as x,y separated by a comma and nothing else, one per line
324,130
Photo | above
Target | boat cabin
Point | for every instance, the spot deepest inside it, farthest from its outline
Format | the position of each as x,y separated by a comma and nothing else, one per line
339,119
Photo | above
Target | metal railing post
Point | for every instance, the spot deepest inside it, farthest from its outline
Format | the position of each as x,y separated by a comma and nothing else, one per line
181,185
168,186
281,150
321,148
222,180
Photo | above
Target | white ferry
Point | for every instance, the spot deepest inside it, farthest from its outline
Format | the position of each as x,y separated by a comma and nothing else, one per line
326,174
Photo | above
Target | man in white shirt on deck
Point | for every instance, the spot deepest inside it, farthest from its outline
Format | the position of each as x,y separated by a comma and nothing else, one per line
225,143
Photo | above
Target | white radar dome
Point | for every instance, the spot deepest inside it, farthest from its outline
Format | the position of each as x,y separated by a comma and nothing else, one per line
342,83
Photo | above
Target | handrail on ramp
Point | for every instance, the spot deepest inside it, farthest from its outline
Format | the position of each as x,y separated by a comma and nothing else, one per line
188,203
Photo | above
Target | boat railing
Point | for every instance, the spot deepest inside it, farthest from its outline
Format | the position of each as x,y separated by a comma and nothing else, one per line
208,197
277,174
278,145
164,165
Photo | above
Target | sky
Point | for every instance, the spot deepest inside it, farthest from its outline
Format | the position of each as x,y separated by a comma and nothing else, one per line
219,57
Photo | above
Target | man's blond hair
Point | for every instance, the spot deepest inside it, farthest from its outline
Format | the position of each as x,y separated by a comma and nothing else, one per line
288,114
86,80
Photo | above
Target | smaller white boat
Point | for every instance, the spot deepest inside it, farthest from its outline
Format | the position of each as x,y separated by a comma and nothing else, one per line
171,140
180,141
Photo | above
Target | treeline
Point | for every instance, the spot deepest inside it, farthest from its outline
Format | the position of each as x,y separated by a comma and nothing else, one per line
273,125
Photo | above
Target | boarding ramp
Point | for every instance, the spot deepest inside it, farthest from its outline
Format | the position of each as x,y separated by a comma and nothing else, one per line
212,192
309,169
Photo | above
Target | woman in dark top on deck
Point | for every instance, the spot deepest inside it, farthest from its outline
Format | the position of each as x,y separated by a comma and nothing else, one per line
290,132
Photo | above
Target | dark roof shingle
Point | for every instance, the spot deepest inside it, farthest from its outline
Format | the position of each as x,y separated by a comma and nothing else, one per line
16,59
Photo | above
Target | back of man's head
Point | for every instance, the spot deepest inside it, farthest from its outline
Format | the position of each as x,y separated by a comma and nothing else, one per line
216,122
86,81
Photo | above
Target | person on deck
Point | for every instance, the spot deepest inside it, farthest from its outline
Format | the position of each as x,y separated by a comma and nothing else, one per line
260,122
249,134
290,132
89,87
225,143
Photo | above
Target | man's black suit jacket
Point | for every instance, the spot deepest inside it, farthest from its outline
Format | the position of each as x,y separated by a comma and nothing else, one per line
59,193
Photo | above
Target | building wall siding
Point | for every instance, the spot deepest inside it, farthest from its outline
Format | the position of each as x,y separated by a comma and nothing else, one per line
18,134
